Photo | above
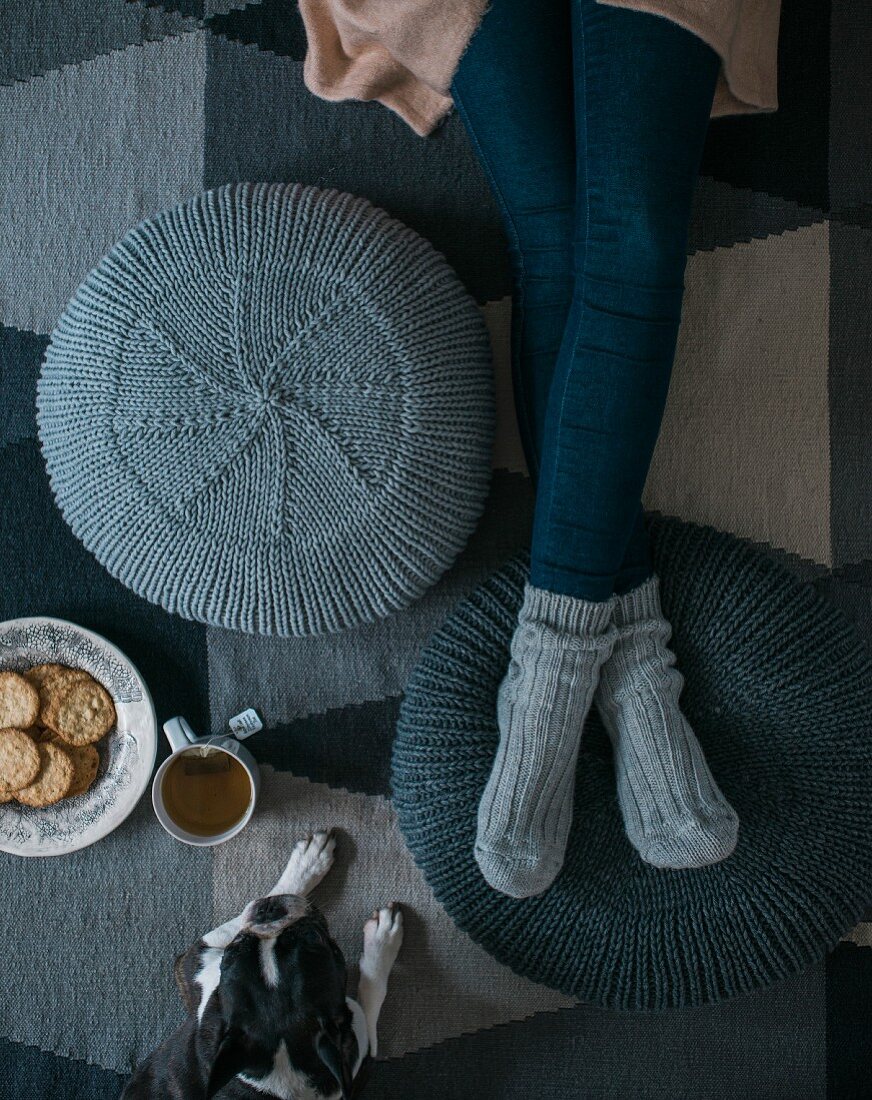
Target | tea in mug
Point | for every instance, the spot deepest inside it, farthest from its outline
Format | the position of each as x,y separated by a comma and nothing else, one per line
206,791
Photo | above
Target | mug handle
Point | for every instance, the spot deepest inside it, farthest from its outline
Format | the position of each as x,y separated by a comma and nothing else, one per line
179,734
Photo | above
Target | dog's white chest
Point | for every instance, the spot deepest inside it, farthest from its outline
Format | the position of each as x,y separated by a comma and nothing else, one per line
288,1084
208,977
284,1081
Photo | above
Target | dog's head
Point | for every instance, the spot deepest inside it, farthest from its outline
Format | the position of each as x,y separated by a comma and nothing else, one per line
282,999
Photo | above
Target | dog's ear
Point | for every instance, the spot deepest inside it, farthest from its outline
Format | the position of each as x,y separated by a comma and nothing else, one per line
333,1052
185,969
234,1055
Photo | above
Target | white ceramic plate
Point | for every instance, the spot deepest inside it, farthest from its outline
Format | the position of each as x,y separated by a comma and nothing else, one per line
126,754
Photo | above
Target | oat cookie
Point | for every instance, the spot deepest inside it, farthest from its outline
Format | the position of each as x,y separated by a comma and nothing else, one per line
41,733
85,760
38,674
19,701
54,779
82,713
19,759
50,680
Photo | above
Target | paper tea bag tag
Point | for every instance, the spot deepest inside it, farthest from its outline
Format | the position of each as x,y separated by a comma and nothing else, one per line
245,724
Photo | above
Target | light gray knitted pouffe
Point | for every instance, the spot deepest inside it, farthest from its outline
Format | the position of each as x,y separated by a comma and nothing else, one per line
270,409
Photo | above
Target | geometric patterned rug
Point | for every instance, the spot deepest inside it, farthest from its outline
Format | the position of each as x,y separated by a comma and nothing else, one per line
111,111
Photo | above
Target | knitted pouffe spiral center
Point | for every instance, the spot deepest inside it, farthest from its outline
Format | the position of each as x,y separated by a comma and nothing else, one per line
779,692
270,409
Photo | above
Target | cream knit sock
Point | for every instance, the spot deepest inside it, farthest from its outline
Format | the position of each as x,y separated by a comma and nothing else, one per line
526,809
674,812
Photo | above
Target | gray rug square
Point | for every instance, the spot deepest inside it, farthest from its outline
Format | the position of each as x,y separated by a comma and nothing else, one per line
90,939
87,151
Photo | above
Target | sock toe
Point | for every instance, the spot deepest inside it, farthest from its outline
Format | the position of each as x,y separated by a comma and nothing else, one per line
518,878
699,842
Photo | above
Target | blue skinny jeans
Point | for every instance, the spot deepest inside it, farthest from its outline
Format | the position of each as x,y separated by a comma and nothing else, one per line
590,122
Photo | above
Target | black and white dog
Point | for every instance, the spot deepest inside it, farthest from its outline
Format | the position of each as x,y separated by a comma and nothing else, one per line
265,992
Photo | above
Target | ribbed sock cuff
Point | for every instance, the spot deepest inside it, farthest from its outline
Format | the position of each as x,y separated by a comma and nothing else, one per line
639,604
568,614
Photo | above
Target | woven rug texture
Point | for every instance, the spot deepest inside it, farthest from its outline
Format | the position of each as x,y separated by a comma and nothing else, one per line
111,111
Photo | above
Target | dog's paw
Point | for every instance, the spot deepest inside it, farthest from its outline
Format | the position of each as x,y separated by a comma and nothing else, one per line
310,861
382,939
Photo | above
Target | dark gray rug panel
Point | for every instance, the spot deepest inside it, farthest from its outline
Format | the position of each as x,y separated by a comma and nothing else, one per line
27,1073
40,35
784,153
45,571
193,9
272,25
263,124
849,1035
20,359
724,215
849,382
850,146
348,748
769,1045
850,175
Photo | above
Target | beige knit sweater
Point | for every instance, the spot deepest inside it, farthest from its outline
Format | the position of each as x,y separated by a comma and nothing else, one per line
403,53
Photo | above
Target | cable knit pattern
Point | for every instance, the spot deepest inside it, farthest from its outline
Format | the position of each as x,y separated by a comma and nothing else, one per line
270,409
779,693
674,813
523,820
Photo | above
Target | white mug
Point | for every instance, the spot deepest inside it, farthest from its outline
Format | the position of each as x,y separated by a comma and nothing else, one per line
181,737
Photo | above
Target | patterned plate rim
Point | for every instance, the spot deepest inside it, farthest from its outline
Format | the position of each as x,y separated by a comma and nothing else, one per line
147,745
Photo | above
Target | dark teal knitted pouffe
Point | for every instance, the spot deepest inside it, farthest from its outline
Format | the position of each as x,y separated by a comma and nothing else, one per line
779,691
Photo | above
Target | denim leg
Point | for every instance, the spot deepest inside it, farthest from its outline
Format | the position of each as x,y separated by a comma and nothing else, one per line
636,565
526,112
513,91
643,92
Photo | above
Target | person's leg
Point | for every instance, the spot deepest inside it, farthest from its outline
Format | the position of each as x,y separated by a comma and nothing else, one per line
636,565
561,642
523,130
514,92
644,88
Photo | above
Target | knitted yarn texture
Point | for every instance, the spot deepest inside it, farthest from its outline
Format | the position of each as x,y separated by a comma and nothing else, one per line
778,688
270,409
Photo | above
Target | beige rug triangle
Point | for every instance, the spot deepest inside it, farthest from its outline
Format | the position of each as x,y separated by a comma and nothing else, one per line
444,985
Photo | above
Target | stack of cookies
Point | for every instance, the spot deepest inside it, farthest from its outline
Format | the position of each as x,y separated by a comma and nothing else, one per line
51,718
